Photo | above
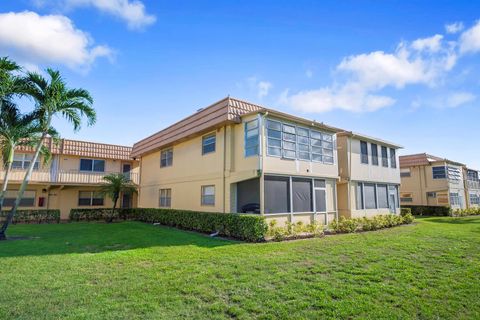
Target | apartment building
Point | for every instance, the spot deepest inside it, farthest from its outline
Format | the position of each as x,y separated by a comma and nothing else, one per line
428,180
369,176
72,178
236,156
472,187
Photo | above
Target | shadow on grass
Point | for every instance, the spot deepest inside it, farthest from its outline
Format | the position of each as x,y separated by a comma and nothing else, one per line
456,220
48,239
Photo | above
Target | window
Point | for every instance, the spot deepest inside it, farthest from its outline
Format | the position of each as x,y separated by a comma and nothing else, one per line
208,143
296,142
374,151
359,196
28,199
251,138
406,199
382,192
165,198
431,194
384,156
320,196
393,158
405,173
22,161
166,158
472,175
474,198
454,199
364,152
439,173
370,196
208,196
277,194
454,174
92,165
302,195
90,198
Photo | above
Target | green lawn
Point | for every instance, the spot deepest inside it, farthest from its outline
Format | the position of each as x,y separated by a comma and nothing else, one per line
430,270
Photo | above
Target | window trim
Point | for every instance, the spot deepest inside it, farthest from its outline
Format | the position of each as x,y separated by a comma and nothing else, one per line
202,195
384,156
24,159
167,198
207,136
363,155
393,158
246,130
439,177
91,199
374,157
167,150
93,165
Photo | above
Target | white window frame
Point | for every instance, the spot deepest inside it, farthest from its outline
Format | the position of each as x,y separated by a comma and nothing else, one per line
246,137
203,195
166,154
207,137
165,198
24,159
93,165
92,193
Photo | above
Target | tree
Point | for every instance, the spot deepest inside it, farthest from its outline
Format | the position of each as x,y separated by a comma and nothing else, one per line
115,184
16,130
52,98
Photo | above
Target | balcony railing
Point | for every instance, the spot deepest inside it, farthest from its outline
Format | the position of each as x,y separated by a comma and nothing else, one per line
67,177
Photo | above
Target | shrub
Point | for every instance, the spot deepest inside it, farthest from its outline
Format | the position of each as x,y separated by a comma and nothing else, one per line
465,212
345,225
34,216
294,230
241,226
429,210
405,211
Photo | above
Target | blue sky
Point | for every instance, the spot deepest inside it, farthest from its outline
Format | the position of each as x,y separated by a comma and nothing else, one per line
397,70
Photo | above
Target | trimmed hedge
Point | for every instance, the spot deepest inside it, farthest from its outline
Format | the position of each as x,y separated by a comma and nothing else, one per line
33,216
465,212
251,228
429,210
405,211
369,224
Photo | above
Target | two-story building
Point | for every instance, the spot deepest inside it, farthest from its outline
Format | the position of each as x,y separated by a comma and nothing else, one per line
236,156
369,176
72,178
428,180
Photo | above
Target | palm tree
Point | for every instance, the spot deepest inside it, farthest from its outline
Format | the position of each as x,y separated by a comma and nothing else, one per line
52,98
16,130
115,184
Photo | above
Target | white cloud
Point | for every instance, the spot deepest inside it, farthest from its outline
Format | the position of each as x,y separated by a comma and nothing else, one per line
360,78
262,88
132,12
33,39
470,39
454,27
458,99
432,44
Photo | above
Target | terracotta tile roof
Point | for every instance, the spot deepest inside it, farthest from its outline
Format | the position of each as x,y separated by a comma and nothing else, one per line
227,110
422,159
85,149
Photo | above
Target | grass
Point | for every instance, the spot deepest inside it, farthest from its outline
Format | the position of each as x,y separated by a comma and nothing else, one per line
137,271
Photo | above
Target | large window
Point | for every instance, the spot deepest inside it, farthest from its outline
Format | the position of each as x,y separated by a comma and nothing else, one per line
165,198
439,172
405,173
22,161
374,151
370,196
393,158
92,165
384,156
251,138
208,143
285,194
166,158
302,195
364,152
359,196
454,199
472,175
90,198
454,174
382,192
474,198
28,199
208,196
295,142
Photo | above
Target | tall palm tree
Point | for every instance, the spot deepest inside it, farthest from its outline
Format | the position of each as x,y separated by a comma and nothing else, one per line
52,98
16,130
115,184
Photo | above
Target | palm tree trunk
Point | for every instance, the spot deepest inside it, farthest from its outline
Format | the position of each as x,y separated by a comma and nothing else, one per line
115,200
21,191
5,183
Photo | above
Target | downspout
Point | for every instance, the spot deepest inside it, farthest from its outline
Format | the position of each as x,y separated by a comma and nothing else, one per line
224,165
349,163
260,161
